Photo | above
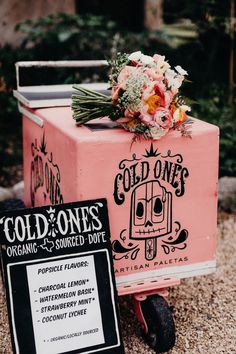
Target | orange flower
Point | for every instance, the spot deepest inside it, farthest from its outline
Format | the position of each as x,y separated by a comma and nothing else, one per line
182,116
153,103
132,123
172,108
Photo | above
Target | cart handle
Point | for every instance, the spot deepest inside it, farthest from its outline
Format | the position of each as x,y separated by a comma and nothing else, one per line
57,64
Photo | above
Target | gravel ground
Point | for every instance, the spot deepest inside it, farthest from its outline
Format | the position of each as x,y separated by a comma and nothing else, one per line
10,175
204,307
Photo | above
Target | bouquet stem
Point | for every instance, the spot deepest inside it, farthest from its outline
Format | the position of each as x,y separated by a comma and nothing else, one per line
88,105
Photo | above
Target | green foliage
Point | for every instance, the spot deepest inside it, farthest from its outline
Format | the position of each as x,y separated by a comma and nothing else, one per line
10,128
72,37
215,110
63,36
206,13
117,64
59,37
209,53
207,60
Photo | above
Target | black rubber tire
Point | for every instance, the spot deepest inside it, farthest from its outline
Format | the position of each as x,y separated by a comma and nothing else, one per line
11,204
160,322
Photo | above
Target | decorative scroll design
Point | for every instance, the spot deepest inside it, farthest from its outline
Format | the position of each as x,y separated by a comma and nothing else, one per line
121,251
178,243
122,163
168,154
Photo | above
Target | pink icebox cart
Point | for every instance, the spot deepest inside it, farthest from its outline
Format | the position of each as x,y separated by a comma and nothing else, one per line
162,195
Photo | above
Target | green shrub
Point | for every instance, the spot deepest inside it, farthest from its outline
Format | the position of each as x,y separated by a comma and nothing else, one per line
71,37
59,37
215,110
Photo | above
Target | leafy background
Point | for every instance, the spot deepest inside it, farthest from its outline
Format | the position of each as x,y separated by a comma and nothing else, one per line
200,44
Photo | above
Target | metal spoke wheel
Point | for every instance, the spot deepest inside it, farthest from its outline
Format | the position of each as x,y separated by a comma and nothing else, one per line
160,334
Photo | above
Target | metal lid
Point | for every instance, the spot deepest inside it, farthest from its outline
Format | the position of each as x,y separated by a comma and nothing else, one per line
53,95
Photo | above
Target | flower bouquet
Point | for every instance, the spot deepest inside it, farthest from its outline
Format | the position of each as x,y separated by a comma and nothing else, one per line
144,98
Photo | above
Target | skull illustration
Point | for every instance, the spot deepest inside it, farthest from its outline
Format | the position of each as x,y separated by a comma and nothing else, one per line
151,211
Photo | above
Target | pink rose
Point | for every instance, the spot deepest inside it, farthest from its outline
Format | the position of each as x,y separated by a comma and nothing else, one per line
153,74
168,98
156,87
115,93
163,118
125,73
145,117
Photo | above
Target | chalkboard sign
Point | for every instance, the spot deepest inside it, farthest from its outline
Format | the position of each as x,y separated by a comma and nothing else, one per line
59,279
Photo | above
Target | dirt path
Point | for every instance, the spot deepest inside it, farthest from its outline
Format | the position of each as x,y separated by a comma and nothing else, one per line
204,308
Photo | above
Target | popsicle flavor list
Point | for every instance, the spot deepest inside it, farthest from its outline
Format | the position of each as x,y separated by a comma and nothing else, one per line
65,295
60,280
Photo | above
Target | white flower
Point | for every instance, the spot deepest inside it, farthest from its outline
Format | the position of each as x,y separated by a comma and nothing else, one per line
160,63
159,58
179,114
135,56
174,80
140,57
180,70
146,59
185,108
157,132
170,75
164,66
131,98
178,80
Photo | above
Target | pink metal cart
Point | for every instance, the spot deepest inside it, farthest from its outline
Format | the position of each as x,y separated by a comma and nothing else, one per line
162,198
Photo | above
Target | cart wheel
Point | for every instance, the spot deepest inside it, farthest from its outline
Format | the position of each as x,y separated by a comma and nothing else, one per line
160,323
11,204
